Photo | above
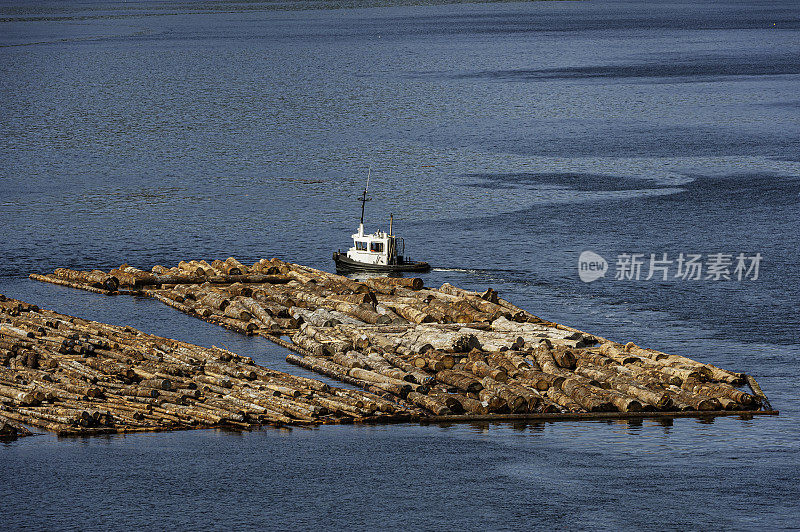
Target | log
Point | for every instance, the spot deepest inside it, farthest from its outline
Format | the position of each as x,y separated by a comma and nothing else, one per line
504,361
231,266
380,365
18,396
171,302
157,383
428,402
55,280
412,283
482,369
590,357
462,381
10,430
472,406
248,328
390,314
540,380
420,377
585,397
237,311
515,401
622,402
318,318
451,400
722,391
533,399
409,312
340,408
434,360
363,312
94,278
563,400
377,378
349,360
493,402
250,278
274,308
685,400
195,270
357,298
659,400
564,358
215,300
544,358
326,367
756,389
238,289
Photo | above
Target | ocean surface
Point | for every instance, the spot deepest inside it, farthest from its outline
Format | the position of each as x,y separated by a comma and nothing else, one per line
506,139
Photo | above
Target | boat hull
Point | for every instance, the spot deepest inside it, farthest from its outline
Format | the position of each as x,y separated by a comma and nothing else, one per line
344,263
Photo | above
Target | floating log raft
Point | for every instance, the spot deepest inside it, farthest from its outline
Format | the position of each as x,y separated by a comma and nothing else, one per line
73,376
433,352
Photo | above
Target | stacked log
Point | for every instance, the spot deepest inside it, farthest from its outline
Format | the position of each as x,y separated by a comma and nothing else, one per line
74,376
95,278
430,350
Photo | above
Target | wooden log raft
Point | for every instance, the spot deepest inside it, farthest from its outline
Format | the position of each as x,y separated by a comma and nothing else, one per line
447,348
88,377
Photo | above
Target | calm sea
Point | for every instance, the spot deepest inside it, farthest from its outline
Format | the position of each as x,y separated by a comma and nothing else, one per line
506,139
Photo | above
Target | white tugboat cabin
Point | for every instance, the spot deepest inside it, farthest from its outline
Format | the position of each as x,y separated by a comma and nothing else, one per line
379,248
378,251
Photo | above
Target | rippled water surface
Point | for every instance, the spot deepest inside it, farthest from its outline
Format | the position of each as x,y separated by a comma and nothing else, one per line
506,138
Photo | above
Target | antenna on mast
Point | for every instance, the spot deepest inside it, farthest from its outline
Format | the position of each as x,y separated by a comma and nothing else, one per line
364,199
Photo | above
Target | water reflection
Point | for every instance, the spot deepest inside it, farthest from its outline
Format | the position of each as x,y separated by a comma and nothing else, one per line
634,426
537,426
666,423
706,420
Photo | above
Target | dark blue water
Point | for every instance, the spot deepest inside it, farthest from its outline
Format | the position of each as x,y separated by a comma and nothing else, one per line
506,138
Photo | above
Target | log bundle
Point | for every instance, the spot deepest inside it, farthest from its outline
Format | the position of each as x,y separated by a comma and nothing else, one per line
73,376
433,352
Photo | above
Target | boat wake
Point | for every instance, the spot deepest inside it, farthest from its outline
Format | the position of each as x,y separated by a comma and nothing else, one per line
500,276
474,270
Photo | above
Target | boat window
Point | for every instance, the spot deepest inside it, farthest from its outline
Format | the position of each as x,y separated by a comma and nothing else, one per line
377,247
362,246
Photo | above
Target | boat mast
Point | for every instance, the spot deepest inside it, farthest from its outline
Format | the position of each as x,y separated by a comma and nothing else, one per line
364,199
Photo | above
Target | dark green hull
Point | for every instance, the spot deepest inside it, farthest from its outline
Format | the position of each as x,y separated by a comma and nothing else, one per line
345,264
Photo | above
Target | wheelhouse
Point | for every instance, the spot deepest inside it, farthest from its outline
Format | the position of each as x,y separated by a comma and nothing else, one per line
378,248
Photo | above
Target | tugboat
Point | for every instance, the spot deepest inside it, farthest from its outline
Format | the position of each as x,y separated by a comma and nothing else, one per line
376,252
